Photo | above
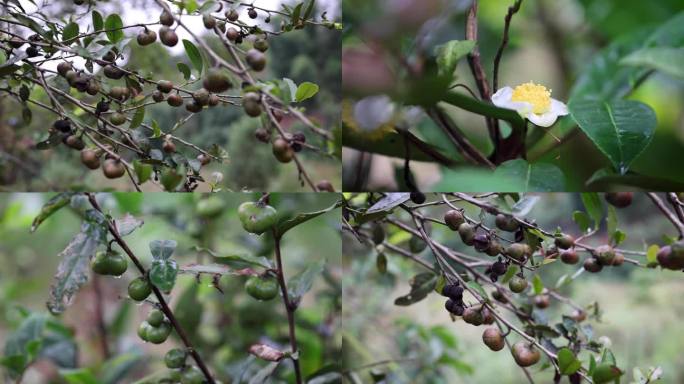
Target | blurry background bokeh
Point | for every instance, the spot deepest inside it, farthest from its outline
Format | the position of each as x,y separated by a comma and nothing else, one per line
310,54
222,325
551,43
641,312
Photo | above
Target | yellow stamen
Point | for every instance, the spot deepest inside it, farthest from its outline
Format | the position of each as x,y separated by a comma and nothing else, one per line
537,95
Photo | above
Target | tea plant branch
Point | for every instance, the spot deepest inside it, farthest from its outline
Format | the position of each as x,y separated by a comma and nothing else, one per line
512,10
478,72
668,214
111,227
290,308
676,205
467,150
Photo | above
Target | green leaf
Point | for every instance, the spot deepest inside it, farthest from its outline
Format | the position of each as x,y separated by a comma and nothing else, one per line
70,31
523,206
605,177
98,23
162,249
421,285
171,178
567,362
190,5
605,373
238,260
138,117
305,90
262,375
74,267
449,54
621,129
53,205
512,270
117,368
194,55
392,144
142,171
540,177
309,9
296,12
163,274
300,284
537,285
582,219
113,25
663,59
79,376
285,225
184,69
592,203
475,286
611,220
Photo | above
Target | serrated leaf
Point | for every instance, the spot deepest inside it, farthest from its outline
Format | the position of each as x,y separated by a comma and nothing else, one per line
163,274
194,55
73,270
53,205
621,129
286,224
306,90
300,284
113,25
449,54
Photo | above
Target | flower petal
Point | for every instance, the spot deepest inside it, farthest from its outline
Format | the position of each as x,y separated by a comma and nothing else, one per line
501,96
559,108
544,120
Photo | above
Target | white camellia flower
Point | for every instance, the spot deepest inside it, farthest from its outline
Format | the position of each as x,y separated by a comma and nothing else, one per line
533,102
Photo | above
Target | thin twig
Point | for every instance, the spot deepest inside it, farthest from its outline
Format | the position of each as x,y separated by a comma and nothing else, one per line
512,10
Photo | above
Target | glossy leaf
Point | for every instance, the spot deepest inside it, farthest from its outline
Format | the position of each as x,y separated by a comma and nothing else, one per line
98,22
142,171
238,260
621,129
194,55
541,177
70,31
592,203
113,25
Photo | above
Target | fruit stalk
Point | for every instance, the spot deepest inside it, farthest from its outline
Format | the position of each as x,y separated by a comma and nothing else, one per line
289,307
160,298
